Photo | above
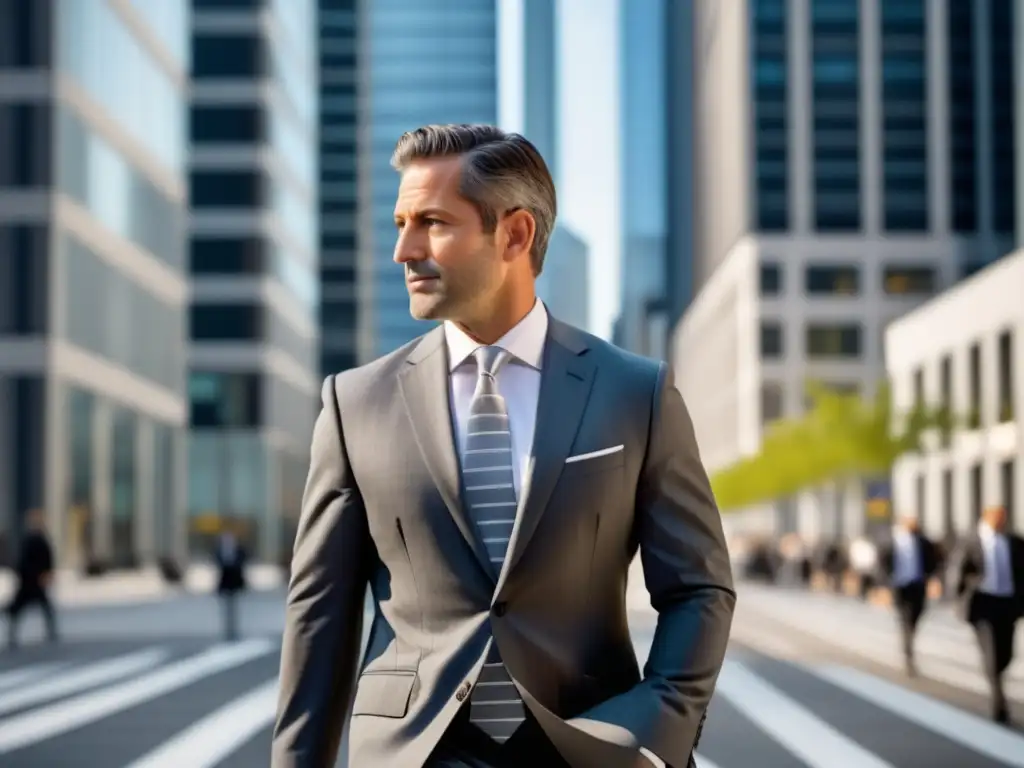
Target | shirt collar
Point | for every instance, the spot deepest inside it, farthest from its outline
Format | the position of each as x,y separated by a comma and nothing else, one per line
525,341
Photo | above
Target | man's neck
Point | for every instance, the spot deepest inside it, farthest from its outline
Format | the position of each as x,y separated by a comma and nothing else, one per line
488,330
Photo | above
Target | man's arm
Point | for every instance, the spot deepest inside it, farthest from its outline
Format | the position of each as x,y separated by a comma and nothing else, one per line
689,577
324,615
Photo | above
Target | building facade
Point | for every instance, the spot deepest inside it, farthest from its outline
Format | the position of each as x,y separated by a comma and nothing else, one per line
429,61
340,94
253,359
853,159
963,351
93,285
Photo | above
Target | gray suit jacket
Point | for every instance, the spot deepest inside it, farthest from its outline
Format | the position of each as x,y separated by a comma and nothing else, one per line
383,508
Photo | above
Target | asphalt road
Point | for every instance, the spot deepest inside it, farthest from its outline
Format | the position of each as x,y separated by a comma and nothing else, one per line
810,681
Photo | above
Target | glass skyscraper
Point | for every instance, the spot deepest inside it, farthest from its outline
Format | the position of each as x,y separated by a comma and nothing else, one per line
254,383
430,61
92,276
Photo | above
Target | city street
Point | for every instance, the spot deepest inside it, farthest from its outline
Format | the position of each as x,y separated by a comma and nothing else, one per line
811,680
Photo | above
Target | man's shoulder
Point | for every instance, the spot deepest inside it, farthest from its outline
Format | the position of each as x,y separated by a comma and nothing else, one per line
368,376
622,359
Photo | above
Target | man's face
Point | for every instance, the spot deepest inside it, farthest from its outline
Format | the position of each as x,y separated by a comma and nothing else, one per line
452,267
996,517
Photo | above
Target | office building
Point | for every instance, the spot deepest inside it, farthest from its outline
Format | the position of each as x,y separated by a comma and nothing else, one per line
254,380
656,130
339,26
963,351
92,283
852,160
430,61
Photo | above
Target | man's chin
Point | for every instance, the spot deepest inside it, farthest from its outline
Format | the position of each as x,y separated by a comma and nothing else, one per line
427,308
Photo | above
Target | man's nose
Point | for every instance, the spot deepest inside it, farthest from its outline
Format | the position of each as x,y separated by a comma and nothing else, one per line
407,248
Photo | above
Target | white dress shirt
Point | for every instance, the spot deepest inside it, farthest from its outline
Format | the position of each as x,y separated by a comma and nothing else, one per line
518,381
998,576
906,558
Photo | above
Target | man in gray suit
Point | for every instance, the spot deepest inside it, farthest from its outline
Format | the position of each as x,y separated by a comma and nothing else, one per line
491,482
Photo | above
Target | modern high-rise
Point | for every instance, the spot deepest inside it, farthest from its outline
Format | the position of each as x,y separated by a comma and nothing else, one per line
852,160
656,134
254,380
93,289
430,61
528,88
339,27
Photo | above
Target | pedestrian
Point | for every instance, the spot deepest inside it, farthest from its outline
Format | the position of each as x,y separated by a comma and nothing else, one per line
231,558
908,562
990,588
491,481
34,573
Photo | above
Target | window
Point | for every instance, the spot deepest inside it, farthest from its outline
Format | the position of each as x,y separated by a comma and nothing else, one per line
340,274
771,279
226,255
919,387
223,5
24,34
974,383
332,361
227,322
949,525
338,316
909,281
216,56
24,279
832,280
24,145
834,341
331,242
922,500
771,402
946,389
1006,404
771,340
1007,479
211,124
226,189
224,399
977,492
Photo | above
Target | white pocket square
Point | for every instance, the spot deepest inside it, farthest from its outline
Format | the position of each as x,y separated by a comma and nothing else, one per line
594,454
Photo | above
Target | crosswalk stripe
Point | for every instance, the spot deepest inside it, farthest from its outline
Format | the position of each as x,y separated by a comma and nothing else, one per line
811,739
956,725
34,726
210,740
703,762
17,677
79,679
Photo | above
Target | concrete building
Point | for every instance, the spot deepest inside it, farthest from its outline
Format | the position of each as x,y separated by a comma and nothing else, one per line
430,61
93,288
965,350
254,382
656,130
340,92
851,162
563,285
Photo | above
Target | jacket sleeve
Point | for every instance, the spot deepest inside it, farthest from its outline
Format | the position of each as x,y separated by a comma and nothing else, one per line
689,577
330,569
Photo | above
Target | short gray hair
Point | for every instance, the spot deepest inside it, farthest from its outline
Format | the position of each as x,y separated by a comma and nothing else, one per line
500,172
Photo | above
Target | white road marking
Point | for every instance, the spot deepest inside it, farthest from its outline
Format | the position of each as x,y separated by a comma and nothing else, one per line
37,725
79,679
703,762
808,737
949,722
23,675
210,740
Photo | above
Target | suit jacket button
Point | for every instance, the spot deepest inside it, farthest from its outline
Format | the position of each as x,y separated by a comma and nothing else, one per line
463,692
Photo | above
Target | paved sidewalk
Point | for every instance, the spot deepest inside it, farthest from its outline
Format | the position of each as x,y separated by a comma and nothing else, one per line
143,585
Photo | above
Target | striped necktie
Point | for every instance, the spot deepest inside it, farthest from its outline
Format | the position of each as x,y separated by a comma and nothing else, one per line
495,706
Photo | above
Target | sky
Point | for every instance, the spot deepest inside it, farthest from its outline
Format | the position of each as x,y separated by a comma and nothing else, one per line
588,72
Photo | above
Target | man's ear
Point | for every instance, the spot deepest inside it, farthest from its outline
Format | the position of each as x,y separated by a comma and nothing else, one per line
519,229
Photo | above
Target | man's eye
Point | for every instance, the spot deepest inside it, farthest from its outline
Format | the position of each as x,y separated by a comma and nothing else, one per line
431,222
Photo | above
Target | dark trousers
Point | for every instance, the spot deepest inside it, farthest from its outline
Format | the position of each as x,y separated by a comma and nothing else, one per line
994,624
23,598
910,601
229,610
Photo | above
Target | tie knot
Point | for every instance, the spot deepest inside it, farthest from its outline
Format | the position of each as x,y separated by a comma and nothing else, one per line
490,359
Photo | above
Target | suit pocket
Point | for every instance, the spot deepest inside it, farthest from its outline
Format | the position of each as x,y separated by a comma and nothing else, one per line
384,694
597,464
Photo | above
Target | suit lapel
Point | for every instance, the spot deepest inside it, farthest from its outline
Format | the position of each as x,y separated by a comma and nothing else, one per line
424,387
567,374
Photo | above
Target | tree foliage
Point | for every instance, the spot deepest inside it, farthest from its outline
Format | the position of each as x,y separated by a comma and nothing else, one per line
842,436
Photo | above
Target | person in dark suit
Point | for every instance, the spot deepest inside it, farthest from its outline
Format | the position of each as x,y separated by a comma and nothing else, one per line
990,591
907,562
492,481
231,559
35,575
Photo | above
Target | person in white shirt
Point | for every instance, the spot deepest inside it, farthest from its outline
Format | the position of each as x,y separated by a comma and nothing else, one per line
990,588
907,562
